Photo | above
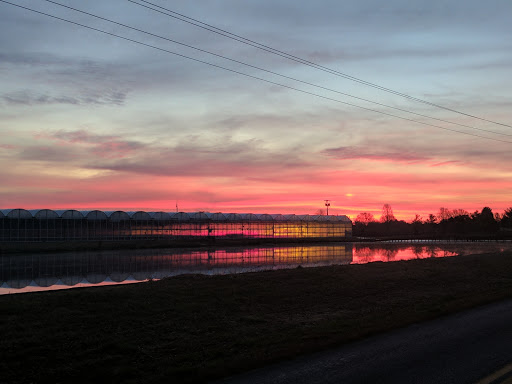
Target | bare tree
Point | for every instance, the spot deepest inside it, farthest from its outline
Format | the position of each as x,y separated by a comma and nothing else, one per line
417,219
444,214
459,212
387,214
432,219
365,218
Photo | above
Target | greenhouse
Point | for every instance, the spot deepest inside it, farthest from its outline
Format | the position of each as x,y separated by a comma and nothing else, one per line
20,225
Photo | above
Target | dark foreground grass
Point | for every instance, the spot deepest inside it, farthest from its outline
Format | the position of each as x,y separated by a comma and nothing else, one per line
195,328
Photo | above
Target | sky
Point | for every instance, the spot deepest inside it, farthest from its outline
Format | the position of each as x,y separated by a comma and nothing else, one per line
89,120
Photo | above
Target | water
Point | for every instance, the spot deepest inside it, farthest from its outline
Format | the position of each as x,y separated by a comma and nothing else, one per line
39,272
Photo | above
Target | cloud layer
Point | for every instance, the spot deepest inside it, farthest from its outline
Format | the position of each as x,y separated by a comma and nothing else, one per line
88,120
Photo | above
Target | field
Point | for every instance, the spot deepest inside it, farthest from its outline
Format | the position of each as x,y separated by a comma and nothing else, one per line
194,328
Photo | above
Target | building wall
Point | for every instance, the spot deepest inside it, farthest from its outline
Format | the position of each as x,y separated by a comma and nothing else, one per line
59,229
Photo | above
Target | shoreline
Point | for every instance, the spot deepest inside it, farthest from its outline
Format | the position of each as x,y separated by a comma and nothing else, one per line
112,245
106,245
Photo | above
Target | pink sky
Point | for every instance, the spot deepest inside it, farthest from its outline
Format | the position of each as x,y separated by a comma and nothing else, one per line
90,121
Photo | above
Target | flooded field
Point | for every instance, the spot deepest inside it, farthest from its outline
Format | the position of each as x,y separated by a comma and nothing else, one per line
36,272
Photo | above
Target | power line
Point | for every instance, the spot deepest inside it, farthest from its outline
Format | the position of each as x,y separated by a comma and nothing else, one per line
286,55
247,75
274,73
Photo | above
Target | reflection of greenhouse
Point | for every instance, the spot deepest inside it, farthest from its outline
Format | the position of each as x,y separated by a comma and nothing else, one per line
19,225
70,269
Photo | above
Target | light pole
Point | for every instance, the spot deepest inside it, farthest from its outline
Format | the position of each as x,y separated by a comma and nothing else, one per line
327,204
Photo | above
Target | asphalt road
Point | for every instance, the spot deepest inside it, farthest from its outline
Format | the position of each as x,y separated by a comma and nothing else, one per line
463,348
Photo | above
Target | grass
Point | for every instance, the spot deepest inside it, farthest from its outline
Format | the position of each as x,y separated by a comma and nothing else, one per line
195,328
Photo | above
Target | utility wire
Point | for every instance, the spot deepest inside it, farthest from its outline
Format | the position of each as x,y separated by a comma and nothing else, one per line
250,76
272,72
286,55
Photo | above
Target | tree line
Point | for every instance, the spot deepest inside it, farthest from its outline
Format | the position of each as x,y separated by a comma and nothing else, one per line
446,224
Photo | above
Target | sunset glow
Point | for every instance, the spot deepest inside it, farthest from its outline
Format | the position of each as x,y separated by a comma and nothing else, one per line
91,121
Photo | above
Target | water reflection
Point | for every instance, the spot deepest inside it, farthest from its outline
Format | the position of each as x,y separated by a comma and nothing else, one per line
36,272
367,254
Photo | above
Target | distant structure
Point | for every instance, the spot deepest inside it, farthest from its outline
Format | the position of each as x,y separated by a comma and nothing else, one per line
20,225
327,204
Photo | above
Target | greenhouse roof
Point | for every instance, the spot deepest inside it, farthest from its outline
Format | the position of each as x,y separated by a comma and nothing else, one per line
43,214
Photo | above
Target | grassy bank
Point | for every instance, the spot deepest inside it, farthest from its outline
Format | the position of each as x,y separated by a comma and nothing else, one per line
195,328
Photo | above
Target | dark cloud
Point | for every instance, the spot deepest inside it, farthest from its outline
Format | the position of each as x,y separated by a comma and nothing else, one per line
443,163
66,80
232,160
263,120
346,153
32,98
60,65
193,155
48,154
116,149
32,60
104,146
80,136
484,64
26,97
369,52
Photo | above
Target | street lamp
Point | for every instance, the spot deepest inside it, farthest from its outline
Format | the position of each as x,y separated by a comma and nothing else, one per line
327,204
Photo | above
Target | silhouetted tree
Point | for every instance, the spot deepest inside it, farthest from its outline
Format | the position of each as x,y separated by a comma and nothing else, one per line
506,219
365,218
487,214
486,221
417,219
456,223
460,212
432,219
361,223
444,214
417,224
387,214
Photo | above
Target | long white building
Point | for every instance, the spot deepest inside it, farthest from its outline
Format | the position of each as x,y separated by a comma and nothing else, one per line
20,225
